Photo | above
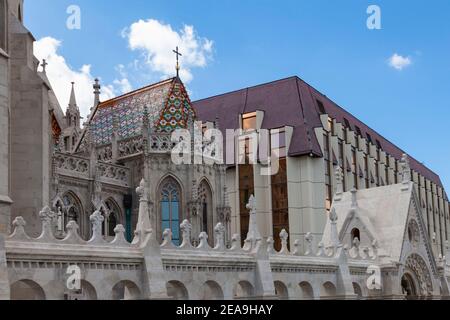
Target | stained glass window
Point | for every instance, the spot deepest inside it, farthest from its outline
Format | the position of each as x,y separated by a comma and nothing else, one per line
170,208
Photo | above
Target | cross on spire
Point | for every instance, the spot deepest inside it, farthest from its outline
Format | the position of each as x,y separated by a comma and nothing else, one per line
178,54
44,65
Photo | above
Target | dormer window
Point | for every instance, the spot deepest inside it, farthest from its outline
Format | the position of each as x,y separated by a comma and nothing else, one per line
249,121
321,107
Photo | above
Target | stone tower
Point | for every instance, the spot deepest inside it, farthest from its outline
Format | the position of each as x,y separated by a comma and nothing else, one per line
72,131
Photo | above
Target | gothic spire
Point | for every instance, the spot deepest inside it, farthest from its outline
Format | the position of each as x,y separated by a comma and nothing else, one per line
73,100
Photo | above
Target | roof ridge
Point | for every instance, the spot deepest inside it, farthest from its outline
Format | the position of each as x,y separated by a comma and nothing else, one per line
123,96
247,88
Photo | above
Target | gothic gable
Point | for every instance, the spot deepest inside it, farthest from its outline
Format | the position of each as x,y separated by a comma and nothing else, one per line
178,111
415,236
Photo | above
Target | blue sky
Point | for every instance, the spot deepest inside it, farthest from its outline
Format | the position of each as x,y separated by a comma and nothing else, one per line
326,43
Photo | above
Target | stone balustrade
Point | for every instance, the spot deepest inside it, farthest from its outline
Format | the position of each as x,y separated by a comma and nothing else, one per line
71,165
169,270
113,174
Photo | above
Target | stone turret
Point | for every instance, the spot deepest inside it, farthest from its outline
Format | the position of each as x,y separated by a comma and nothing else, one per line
73,119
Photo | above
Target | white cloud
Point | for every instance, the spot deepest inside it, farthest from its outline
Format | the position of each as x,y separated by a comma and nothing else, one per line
61,74
156,41
399,62
124,85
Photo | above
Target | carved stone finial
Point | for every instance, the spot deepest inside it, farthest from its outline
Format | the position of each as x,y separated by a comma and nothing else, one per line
167,239
333,229
119,239
144,225
97,88
72,233
96,219
19,233
47,217
203,241
309,240
44,65
284,239
235,242
253,235
320,250
219,234
119,229
186,229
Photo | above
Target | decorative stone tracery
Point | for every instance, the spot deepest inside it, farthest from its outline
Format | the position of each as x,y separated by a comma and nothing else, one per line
417,265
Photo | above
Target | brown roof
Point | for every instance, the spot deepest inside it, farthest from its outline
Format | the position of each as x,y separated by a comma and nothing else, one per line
293,102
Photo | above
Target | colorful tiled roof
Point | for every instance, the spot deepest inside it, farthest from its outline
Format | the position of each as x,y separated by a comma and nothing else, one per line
167,104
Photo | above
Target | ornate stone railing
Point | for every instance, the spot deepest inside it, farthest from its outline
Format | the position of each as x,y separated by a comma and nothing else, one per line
71,165
113,174
105,153
160,143
130,147
257,262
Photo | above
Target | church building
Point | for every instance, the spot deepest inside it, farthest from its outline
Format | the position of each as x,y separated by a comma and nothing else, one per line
105,196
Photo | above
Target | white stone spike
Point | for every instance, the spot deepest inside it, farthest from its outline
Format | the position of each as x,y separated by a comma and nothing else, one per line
167,239
19,233
186,229
219,236
47,217
203,241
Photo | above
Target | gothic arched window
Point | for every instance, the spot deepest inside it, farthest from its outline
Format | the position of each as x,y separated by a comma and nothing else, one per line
113,218
170,208
205,197
3,24
72,208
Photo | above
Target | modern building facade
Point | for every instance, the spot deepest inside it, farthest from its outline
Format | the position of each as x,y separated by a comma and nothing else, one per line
319,136
107,197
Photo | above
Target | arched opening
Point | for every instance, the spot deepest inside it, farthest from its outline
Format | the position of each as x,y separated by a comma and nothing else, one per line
170,211
177,290
211,291
306,291
205,197
112,219
87,291
408,286
281,290
328,290
357,290
73,211
26,290
355,234
126,290
243,290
